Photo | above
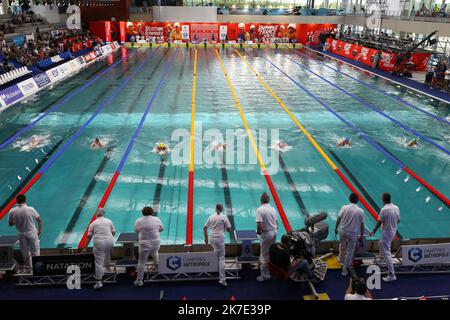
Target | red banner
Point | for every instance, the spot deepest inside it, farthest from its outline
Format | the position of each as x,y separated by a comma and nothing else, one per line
198,31
367,55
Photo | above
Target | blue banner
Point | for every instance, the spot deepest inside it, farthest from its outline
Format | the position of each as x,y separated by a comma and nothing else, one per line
11,94
42,79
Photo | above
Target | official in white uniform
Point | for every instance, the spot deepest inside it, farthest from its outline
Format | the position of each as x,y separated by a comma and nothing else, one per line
148,229
103,231
23,218
218,224
267,225
351,219
389,217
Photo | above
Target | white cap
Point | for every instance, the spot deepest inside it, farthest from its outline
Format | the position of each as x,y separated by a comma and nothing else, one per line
282,27
100,212
252,26
176,24
241,25
292,25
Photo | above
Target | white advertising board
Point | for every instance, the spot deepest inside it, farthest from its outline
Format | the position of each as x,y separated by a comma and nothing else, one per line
188,262
428,254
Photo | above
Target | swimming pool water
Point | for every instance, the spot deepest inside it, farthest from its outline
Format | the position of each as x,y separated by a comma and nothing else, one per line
68,193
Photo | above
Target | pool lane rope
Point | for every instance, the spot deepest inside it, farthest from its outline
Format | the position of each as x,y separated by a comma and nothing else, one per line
371,106
369,139
364,202
376,89
56,106
83,241
190,202
273,191
66,145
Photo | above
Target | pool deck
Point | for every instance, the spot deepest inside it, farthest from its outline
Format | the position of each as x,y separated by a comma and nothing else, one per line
437,94
246,288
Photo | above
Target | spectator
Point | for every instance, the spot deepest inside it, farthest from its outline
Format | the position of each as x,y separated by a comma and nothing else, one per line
357,290
148,229
351,219
23,218
218,224
102,230
267,225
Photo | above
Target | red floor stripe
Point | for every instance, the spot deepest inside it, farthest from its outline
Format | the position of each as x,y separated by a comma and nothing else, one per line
190,209
276,199
105,197
428,186
23,191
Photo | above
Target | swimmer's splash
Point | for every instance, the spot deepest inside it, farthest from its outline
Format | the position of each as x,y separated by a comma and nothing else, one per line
214,146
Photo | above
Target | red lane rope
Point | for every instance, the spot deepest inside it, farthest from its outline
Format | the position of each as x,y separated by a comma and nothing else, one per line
277,201
190,209
428,186
23,191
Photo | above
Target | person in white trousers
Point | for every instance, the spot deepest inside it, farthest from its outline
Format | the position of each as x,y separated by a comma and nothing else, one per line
389,218
23,218
148,229
218,224
267,225
351,220
103,231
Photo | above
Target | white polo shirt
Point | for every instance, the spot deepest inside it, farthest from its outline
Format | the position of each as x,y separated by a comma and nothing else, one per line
351,218
101,229
217,224
389,216
23,217
355,296
148,228
267,215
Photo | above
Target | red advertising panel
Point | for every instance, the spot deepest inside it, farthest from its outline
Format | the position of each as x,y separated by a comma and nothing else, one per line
162,31
108,31
123,31
366,55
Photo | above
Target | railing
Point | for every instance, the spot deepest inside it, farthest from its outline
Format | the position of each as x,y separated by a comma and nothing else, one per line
278,11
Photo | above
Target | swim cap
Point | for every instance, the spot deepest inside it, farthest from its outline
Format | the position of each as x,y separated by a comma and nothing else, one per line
241,25
252,26
292,25
176,24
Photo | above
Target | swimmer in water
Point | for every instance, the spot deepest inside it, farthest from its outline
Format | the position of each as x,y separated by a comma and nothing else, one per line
219,146
97,144
412,144
344,142
161,148
281,146
34,142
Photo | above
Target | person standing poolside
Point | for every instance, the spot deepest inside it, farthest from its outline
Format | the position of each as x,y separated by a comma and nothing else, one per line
351,220
23,218
389,218
218,224
148,229
267,225
103,231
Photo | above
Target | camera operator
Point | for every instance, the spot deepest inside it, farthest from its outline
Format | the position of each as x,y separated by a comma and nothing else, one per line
280,256
357,290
